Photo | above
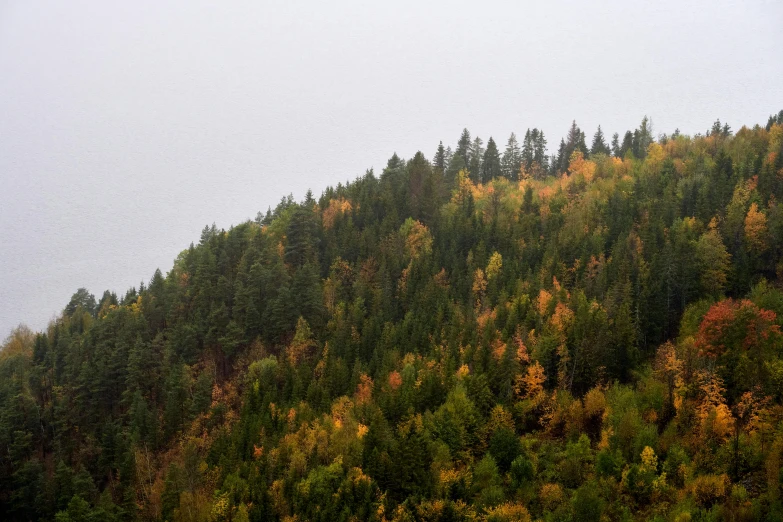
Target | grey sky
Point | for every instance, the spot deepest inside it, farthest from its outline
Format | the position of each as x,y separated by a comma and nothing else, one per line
125,127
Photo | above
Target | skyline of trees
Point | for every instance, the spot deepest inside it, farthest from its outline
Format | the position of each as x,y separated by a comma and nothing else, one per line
490,335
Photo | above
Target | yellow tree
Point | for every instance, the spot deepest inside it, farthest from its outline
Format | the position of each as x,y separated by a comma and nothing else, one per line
531,384
714,260
756,229
494,266
716,419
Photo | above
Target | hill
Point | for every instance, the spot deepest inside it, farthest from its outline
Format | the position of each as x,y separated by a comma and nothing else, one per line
490,335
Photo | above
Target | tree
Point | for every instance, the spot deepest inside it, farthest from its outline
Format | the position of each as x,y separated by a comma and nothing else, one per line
616,146
512,159
490,165
560,163
455,166
575,141
440,162
81,299
539,149
423,188
463,147
533,157
476,155
505,447
628,144
756,229
714,261
528,150
599,144
301,237
741,338
642,138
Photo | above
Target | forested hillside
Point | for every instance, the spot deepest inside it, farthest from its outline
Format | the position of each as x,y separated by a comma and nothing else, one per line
489,334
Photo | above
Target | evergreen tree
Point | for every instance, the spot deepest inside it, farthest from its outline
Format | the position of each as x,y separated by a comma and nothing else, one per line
642,138
490,165
83,300
539,150
774,119
599,143
628,144
528,150
562,154
439,163
574,141
455,166
512,158
301,236
616,146
463,147
476,155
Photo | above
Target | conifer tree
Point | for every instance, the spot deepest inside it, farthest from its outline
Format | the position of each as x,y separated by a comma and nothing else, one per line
539,150
463,147
439,163
599,143
528,150
490,165
476,155
512,158
616,145
627,145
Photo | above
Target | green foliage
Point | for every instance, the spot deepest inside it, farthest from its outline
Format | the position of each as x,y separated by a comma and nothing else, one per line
590,336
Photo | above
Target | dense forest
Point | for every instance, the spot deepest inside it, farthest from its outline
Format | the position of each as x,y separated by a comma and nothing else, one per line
491,334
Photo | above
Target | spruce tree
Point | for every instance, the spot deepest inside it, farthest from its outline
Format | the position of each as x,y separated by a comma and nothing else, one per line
599,143
455,166
301,237
562,153
440,158
642,138
627,145
490,165
528,150
474,159
540,159
616,145
463,147
512,159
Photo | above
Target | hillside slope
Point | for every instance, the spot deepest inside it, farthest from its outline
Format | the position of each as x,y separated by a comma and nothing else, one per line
490,335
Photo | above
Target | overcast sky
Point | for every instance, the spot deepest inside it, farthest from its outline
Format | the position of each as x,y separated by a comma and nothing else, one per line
125,127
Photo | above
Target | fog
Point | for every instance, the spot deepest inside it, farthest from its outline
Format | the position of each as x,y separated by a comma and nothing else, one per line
125,127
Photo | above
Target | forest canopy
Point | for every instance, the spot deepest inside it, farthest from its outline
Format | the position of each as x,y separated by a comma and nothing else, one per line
494,333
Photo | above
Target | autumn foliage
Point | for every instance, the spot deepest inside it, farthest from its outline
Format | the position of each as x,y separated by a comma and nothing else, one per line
593,335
